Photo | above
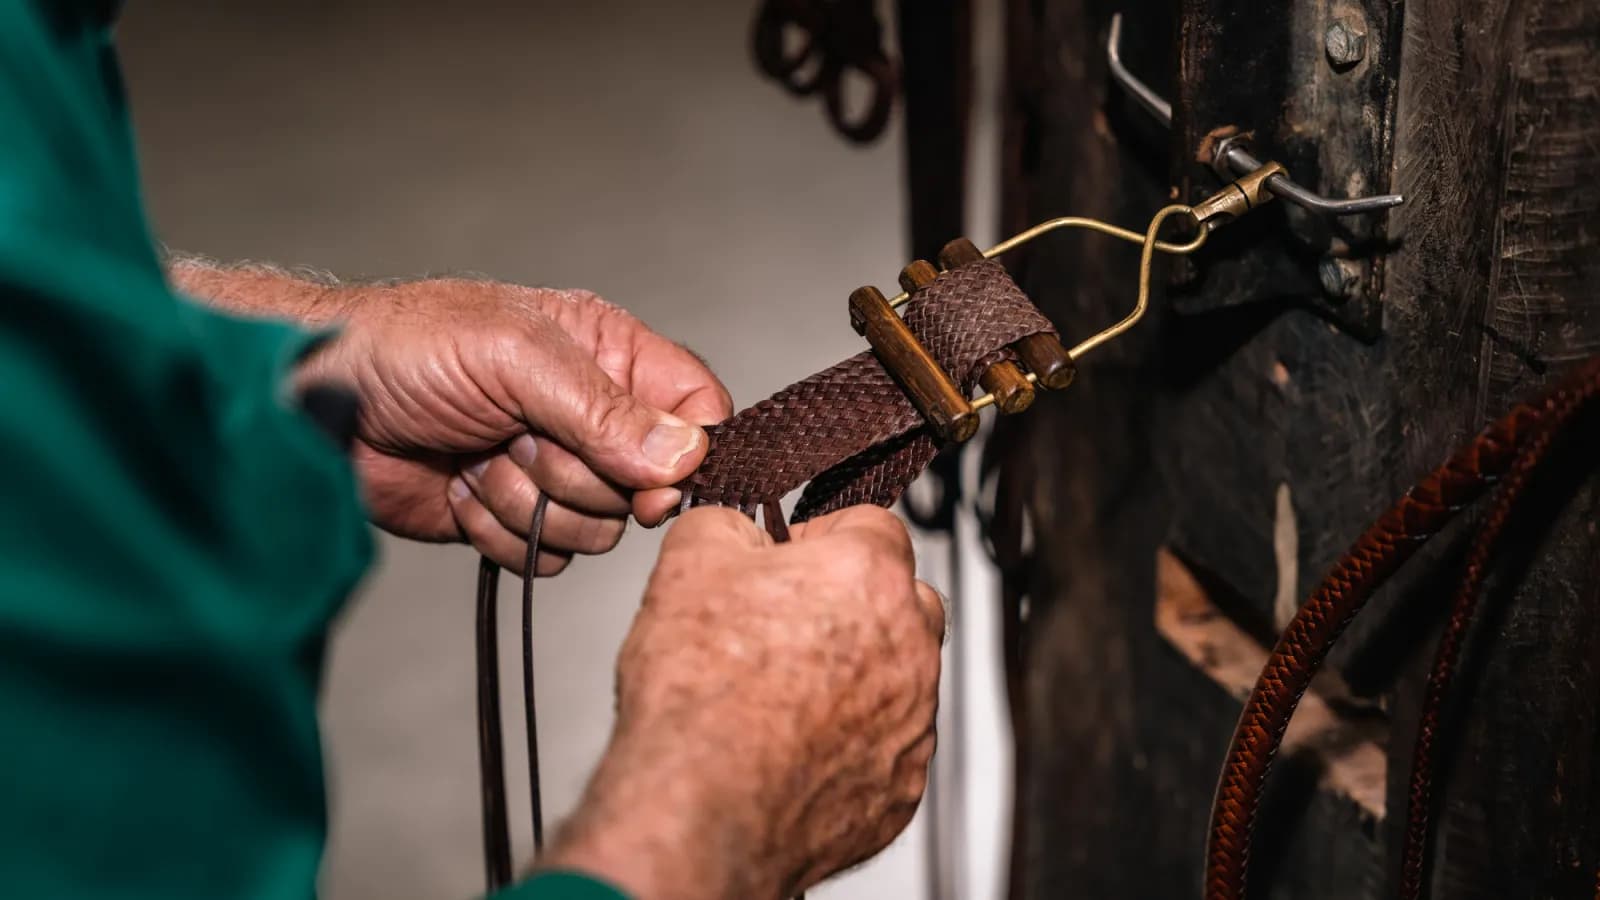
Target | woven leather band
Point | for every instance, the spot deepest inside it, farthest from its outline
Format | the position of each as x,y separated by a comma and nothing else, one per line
849,430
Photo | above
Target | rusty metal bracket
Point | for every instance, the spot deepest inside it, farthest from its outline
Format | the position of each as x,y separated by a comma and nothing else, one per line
1314,81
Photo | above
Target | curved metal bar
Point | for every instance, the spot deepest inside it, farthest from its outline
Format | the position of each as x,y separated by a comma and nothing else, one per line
1143,303
1233,153
1049,225
1242,162
1153,102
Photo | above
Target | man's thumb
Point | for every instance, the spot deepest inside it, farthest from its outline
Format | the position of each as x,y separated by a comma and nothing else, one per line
620,437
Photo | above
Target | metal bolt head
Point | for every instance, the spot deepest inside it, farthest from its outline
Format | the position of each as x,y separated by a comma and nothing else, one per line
1345,42
1340,278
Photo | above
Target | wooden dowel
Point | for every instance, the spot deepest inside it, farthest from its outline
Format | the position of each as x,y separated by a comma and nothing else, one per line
917,276
931,391
1011,390
1047,359
958,253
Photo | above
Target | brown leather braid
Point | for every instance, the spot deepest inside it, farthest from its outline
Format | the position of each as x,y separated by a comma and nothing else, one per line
1559,408
849,430
1376,555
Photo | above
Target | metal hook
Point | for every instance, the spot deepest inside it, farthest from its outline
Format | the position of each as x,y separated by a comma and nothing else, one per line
1232,152
1153,102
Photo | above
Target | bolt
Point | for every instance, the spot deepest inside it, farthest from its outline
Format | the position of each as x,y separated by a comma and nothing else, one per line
1346,42
1340,278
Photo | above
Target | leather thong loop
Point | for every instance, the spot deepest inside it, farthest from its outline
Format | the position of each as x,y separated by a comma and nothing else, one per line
835,37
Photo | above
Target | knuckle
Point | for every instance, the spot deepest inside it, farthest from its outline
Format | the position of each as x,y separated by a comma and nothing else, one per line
706,526
566,477
599,535
610,415
855,561
883,521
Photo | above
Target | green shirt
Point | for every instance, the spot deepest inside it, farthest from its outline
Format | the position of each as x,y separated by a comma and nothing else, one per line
174,535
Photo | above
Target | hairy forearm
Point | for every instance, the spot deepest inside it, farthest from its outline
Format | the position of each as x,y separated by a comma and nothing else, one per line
255,289
654,824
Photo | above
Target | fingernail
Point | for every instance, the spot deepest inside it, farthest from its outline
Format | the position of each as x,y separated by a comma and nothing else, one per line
459,489
477,470
666,443
523,450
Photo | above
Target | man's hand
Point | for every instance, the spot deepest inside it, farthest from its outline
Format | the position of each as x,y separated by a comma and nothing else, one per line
775,710
476,395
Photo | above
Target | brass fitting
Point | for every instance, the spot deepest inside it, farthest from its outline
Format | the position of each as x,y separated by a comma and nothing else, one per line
1239,197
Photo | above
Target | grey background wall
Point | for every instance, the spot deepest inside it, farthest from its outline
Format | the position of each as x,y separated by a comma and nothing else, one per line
628,148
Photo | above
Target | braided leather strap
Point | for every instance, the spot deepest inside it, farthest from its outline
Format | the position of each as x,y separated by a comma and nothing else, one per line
849,430
1510,449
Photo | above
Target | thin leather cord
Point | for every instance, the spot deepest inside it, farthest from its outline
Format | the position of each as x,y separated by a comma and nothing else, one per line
1305,643
529,569
491,760
491,746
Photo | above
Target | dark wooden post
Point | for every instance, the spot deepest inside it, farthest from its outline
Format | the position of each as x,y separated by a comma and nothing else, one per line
1248,431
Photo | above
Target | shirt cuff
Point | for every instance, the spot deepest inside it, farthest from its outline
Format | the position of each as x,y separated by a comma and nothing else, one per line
561,886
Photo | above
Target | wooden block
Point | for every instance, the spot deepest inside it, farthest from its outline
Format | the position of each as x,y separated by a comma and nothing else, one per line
931,391
918,275
958,253
1011,390
1047,359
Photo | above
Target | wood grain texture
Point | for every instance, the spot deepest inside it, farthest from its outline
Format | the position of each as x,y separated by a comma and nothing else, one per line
1186,433
1520,813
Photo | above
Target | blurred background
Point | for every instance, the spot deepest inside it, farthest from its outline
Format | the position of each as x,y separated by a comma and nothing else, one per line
628,148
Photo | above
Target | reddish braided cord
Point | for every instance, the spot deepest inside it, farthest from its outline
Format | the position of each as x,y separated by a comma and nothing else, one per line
1559,408
1376,555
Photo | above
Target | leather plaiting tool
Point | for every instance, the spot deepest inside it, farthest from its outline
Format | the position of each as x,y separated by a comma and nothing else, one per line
862,430
956,340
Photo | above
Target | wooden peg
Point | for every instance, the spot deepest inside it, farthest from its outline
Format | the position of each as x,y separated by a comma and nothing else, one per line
1011,390
1047,359
917,276
958,253
931,391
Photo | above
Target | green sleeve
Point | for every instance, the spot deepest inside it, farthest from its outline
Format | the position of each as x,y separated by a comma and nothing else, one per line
561,886
174,536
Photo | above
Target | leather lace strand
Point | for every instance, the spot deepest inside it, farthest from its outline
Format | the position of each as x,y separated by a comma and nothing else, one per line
530,717
491,746
491,754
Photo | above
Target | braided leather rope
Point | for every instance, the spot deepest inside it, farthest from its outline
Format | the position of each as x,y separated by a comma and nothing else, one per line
1560,407
1511,447
849,430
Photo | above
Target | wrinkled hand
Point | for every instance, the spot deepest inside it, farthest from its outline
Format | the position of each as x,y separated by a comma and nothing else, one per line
775,710
477,395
